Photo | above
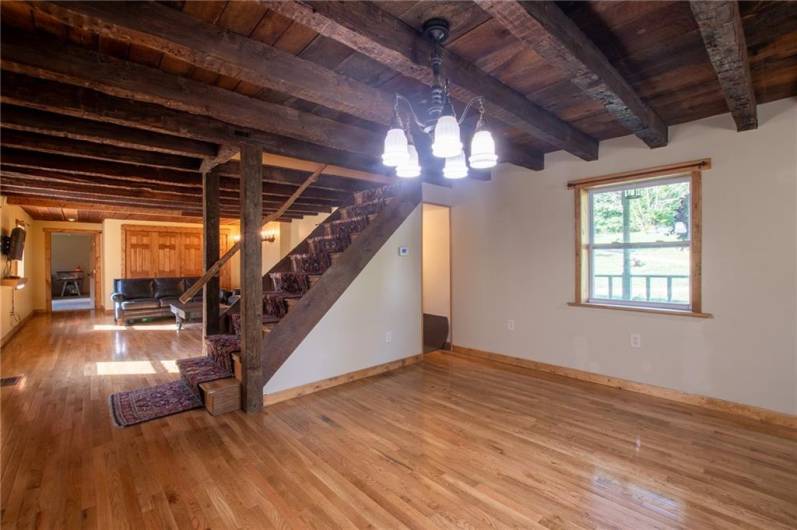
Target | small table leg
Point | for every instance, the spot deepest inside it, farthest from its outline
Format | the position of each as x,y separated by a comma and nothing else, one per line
179,322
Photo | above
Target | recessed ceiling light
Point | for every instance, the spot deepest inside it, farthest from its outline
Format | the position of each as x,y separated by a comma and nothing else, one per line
71,219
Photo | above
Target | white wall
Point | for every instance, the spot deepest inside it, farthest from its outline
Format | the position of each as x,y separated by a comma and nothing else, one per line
513,258
385,297
436,260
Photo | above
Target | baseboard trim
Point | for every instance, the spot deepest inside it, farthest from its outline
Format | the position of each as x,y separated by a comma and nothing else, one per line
310,388
13,331
715,404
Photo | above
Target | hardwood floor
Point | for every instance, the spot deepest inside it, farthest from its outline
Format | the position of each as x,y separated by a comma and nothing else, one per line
444,443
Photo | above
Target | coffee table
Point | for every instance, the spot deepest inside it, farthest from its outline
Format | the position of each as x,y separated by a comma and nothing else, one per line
188,312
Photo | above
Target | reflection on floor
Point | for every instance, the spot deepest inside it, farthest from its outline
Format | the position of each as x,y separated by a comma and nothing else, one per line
446,443
72,304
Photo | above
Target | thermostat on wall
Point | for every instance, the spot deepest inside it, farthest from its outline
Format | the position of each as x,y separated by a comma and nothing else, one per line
404,251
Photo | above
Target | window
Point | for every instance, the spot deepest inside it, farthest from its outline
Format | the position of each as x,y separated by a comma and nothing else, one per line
638,240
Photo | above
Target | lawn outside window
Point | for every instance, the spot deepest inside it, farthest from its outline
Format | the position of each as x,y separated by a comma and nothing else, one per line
638,240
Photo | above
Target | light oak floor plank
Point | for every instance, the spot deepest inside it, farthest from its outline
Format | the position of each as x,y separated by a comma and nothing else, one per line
446,443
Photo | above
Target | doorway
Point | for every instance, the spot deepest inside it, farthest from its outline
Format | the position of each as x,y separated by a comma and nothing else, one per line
436,276
72,263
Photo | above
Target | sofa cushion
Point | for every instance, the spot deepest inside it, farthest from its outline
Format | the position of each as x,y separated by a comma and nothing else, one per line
133,288
168,287
140,303
166,302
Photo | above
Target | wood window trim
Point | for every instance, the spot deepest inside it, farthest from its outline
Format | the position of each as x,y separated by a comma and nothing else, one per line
581,188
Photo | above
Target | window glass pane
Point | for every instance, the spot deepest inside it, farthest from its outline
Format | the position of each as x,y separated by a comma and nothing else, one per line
659,275
641,214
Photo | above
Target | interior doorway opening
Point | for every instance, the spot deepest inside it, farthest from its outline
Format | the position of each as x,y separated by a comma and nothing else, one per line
436,283
72,262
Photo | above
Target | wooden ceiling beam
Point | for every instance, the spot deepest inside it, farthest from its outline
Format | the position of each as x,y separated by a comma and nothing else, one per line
59,145
723,35
100,168
50,202
215,49
545,29
17,178
224,154
51,59
65,126
154,175
92,198
226,53
386,39
119,212
44,95
229,187
288,176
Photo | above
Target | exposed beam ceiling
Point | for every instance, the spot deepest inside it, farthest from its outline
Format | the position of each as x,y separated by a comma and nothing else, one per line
29,119
229,210
546,30
160,176
79,102
229,188
368,29
115,211
721,27
212,48
54,144
50,59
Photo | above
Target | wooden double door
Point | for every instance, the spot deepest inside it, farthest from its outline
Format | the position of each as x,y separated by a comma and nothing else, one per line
167,252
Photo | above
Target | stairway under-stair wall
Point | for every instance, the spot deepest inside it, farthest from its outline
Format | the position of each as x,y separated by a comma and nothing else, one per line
384,298
344,299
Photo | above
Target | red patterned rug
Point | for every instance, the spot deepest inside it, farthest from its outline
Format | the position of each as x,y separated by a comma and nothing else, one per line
144,404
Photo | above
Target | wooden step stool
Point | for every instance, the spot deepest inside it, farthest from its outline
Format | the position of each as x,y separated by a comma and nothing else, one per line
222,395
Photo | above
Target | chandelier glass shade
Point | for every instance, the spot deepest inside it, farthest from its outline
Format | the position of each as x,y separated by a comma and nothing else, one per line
442,127
396,151
456,167
410,167
446,137
482,150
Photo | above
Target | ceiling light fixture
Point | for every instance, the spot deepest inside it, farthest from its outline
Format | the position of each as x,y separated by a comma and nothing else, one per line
442,127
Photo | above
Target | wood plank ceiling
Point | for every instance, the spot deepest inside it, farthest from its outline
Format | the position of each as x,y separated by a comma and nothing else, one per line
116,109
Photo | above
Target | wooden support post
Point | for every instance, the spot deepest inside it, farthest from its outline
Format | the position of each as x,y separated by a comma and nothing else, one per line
251,277
211,251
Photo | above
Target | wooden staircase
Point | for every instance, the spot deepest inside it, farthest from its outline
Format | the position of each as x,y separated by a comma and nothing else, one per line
300,289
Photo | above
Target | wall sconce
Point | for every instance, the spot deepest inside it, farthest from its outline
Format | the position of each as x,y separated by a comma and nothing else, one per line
266,236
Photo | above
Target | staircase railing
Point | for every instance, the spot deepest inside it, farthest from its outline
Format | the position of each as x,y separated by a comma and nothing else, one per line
214,269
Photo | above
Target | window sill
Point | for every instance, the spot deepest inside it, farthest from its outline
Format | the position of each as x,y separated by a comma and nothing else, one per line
651,310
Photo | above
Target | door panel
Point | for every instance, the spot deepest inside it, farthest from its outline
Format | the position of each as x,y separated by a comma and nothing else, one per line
168,263
139,259
191,254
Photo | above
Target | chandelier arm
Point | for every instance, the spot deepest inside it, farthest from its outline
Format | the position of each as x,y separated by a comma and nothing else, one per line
471,103
412,114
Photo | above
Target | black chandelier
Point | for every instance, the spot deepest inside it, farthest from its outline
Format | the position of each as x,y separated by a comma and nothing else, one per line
442,126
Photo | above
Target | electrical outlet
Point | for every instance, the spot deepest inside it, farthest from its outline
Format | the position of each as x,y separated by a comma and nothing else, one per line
510,325
636,340
389,337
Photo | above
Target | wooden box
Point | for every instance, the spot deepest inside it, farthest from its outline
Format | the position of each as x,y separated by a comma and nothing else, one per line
222,395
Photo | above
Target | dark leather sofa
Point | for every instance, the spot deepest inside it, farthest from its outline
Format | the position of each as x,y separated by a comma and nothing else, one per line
138,298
